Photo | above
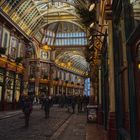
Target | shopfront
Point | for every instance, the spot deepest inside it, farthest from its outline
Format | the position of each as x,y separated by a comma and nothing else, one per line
43,88
31,88
1,86
9,91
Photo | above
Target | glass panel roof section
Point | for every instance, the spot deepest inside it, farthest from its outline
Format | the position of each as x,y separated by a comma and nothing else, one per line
75,59
66,34
32,15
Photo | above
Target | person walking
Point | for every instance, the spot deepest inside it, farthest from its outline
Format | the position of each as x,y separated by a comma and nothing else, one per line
73,103
47,107
27,109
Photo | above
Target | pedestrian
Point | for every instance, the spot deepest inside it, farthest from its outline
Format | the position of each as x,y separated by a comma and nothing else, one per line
47,107
27,109
21,101
68,102
79,103
73,103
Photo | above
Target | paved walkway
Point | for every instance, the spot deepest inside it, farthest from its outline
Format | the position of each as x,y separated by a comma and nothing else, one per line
8,114
95,132
60,126
12,128
76,128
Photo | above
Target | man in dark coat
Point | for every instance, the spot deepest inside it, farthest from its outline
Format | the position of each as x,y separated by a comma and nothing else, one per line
73,103
47,107
27,109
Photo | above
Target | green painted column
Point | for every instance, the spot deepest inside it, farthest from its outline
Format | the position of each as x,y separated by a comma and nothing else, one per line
111,68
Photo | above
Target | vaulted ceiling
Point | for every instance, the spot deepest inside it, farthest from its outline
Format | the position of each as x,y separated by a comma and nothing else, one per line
32,15
57,22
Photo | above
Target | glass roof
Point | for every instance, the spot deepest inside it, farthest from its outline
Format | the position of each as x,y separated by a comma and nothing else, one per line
54,22
64,34
31,15
73,60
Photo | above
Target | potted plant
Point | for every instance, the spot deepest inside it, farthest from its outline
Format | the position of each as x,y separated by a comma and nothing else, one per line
18,60
72,82
2,50
67,81
45,76
86,16
56,78
32,76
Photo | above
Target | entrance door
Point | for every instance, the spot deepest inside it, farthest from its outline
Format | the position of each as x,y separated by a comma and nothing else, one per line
137,83
0,97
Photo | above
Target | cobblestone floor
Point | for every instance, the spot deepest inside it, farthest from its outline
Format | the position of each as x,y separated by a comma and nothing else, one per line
39,127
60,126
76,128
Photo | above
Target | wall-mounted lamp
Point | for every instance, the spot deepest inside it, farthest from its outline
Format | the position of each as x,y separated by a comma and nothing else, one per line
92,6
91,25
90,37
91,46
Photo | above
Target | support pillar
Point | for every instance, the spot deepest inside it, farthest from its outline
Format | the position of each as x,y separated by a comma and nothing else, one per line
37,78
57,89
112,129
66,91
73,91
62,90
100,111
50,86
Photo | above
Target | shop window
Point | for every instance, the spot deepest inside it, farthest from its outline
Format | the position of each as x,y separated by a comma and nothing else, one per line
17,88
21,50
1,75
1,81
9,95
5,38
13,47
9,87
32,69
29,52
1,78
31,88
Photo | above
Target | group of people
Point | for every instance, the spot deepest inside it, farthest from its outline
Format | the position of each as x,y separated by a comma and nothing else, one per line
68,101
